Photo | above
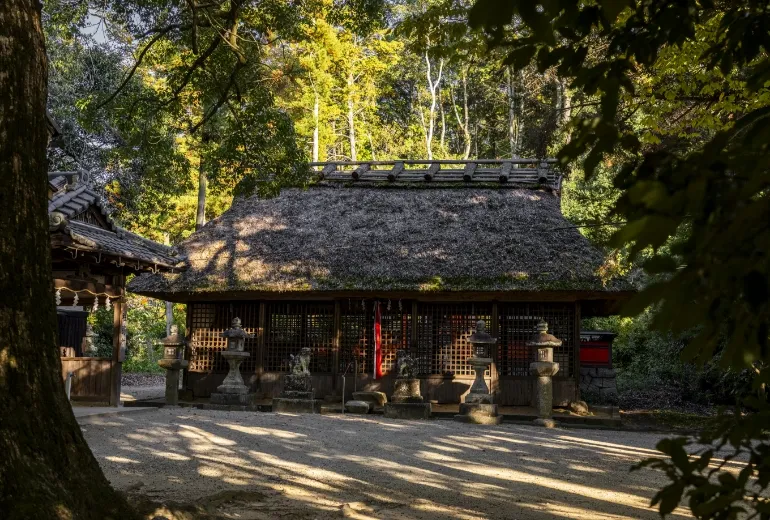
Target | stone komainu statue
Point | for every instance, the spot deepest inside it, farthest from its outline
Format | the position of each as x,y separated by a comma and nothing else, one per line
407,365
300,364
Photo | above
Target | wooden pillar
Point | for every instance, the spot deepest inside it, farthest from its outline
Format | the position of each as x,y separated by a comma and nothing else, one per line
260,353
188,344
415,343
415,347
495,332
119,309
336,343
576,363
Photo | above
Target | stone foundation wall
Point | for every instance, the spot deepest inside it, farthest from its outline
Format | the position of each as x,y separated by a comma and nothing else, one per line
598,383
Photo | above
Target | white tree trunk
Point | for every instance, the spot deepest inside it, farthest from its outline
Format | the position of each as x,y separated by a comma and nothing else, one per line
512,127
200,217
464,121
566,102
315,127
467,117
351,119
443,125
433,89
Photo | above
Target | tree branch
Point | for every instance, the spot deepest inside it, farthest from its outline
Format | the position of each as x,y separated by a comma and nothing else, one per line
222,99
196,64
152,42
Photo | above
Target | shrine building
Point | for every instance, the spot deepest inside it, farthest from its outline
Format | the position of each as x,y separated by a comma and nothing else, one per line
405,254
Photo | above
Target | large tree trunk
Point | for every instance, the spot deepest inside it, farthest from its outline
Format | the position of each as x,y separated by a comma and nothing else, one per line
46,468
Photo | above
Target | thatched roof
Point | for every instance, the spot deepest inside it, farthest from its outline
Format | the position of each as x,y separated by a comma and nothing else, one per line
336,237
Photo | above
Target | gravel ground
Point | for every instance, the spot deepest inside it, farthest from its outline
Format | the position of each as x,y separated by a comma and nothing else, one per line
138,386
265,465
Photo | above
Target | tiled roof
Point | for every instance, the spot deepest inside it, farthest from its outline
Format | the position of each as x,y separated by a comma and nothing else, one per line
69,202
122,243
72,203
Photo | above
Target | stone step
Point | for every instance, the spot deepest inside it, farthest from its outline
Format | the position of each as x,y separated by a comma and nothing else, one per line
358,407
479,419
377,398
478,409
408,410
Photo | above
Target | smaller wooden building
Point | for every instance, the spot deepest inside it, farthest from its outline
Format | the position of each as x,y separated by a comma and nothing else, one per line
423,249
91,257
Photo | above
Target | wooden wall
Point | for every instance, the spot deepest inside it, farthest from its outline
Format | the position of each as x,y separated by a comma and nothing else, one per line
425,329
93,378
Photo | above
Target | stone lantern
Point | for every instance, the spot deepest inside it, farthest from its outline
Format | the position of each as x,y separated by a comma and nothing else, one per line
479,407
544,369
173,362
232,391
88,346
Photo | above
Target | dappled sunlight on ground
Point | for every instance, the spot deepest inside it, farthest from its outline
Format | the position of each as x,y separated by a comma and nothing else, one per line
314,466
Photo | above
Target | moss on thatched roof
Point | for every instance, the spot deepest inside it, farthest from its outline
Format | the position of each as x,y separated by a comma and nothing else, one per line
337,238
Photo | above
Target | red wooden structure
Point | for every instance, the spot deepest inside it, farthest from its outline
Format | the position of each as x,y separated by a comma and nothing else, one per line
596,348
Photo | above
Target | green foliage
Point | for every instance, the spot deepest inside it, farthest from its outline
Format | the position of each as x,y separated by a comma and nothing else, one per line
699,475
691,132
145,327
650,368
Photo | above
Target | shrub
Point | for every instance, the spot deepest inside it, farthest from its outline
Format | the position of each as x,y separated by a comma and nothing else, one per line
145,327
651,370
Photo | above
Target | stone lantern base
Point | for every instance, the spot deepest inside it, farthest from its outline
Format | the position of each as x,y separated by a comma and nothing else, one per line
172,367
232,391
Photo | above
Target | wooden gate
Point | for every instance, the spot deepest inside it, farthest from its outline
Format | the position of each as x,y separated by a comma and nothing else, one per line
92,378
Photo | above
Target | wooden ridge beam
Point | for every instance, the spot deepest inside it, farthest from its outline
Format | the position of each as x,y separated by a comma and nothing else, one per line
358,172
397,170
434,168
468,172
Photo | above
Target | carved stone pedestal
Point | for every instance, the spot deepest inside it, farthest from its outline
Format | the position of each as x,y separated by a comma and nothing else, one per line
406,401
297,386
297,395
406,390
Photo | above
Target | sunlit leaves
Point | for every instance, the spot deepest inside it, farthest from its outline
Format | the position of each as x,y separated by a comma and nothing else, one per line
695,183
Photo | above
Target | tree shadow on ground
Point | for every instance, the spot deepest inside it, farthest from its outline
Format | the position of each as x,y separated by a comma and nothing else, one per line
185,464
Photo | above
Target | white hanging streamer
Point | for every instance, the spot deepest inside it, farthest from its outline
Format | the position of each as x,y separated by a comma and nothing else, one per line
58,297
96,304
75,300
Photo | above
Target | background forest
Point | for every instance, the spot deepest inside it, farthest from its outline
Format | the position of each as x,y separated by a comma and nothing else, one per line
171,138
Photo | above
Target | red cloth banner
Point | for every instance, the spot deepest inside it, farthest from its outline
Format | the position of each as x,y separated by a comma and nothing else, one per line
377,341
